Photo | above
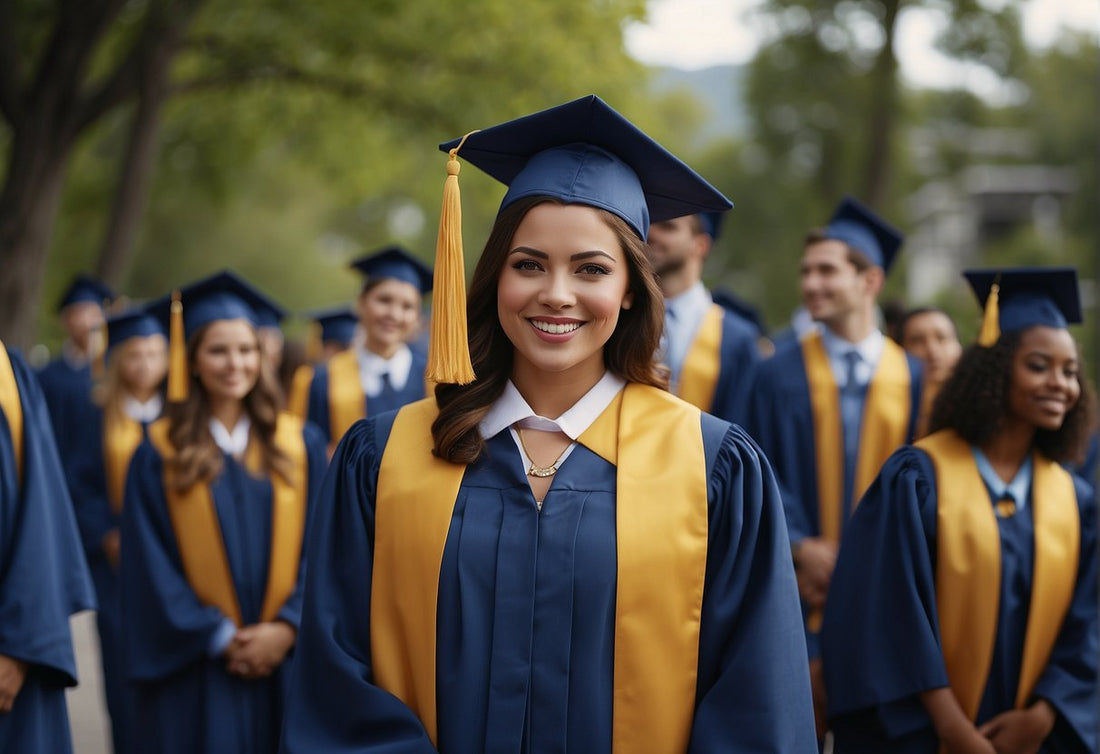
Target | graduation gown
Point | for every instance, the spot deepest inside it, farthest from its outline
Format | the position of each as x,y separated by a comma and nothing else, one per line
526,611
68,393
882,640
43,577
718,371
186,701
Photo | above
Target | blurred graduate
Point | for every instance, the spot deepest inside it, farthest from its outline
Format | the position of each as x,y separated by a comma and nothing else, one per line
129,397
379,372
963,611
214,517
553,553
43,577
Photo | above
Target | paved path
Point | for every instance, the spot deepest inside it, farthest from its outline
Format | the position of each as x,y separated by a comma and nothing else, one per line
87,711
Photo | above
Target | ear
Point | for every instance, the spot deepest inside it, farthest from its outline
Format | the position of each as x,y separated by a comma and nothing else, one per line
628,300
702,243
876,278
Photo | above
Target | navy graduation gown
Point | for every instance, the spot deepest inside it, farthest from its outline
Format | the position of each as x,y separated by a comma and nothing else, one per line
526,612
186,701
43,577
739,359
68,393
390,399
881,638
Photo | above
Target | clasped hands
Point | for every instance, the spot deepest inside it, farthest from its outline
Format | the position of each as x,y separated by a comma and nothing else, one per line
258,649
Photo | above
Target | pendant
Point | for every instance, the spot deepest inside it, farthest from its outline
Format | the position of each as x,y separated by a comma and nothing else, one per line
542,471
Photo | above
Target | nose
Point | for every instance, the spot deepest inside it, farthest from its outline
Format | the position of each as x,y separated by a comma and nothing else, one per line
557,293
1057,379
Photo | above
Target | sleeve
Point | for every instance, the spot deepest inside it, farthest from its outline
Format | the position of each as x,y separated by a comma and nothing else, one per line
1069,682
168,627
740,360
754,684
43,575
318,402
88,485
333,705
880,641
316,462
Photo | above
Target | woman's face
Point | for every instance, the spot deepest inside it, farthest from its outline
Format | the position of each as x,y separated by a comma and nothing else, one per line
143,363
1044,385
389,313
227,359
561,289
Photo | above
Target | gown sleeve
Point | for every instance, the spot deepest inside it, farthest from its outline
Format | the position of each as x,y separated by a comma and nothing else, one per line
1069,681
88,484
333,705
880,641
168,627
753,692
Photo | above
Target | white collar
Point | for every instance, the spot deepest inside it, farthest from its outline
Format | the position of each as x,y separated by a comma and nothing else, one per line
511,408
694,300
233,443
143,412
870,348
372,367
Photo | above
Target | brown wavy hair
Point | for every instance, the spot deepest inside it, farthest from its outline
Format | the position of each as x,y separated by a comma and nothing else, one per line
629,353
974,402
198,458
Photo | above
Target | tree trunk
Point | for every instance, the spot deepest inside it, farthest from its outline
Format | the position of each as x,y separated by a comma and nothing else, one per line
882,114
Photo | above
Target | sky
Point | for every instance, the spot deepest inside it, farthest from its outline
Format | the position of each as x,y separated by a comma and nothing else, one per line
693,34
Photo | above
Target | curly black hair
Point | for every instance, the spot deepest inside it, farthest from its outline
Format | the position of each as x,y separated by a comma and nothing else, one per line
974,402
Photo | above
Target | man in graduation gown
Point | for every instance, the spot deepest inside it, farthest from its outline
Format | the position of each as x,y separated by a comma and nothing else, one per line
710,350
830,407
43,576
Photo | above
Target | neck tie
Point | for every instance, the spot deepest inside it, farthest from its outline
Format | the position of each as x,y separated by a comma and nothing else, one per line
387,385
851,413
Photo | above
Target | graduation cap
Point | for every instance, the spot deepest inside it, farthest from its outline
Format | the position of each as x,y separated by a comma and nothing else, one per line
398,264
132,323
85,288
712,223
337,325
858,226
582,152
224,295
1015,298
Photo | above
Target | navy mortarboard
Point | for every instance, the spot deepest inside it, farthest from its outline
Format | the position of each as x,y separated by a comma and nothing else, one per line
337,325
85,288
1015,298
136,322
395,263
858,226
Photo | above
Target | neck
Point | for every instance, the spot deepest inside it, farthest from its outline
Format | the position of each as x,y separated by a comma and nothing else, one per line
227,411
681,280
384,350
1008,449
142,395
551,395
855,325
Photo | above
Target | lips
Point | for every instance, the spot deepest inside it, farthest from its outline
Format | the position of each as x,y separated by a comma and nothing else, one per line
555,328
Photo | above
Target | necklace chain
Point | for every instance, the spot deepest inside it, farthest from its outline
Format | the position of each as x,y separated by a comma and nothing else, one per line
536,470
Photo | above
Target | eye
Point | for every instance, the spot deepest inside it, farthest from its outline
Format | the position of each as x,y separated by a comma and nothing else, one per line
593,269
526,265
1036,366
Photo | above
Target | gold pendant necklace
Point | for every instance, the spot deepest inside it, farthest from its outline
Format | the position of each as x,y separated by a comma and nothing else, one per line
539,471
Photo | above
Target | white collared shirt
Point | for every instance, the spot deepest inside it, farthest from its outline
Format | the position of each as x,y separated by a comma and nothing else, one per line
372,367
870,351
511,409
143,412
233,443
684,314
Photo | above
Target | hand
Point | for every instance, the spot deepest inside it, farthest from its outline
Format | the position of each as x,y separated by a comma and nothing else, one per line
257,650
967,741
12,674
814,560
110,544
817,685
1020,731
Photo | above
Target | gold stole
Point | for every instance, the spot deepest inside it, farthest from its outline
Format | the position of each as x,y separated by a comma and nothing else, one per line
199,536
12,408
661,540
703,363
297,400
968,567
121,437
347,403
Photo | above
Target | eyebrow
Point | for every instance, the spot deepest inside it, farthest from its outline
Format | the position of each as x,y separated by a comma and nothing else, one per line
574,258
1048,356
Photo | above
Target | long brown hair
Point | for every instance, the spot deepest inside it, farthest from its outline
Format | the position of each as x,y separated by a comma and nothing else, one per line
629,353
111,392
198,458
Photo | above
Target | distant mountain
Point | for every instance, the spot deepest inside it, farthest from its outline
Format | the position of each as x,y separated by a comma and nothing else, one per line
719,87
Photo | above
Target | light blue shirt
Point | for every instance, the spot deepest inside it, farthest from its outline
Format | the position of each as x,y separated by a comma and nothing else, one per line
1019,487
683,315
870,351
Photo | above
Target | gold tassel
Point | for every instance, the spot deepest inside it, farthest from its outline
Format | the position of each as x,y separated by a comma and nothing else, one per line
177,353
315,344
991,319
449,349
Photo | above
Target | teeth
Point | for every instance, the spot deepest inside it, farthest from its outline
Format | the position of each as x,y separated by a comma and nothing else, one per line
553,329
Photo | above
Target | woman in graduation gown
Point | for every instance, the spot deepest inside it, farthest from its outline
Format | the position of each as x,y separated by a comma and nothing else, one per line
43,577
963,609
127,400
485,578
214,516
380,372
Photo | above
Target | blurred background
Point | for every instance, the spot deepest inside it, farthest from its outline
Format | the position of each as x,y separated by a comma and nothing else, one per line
152,141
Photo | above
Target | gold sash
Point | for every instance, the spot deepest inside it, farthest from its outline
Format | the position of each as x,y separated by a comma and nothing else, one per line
703,363
297,400
347,403
968,567
199,536
12,407
121,437
661,535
